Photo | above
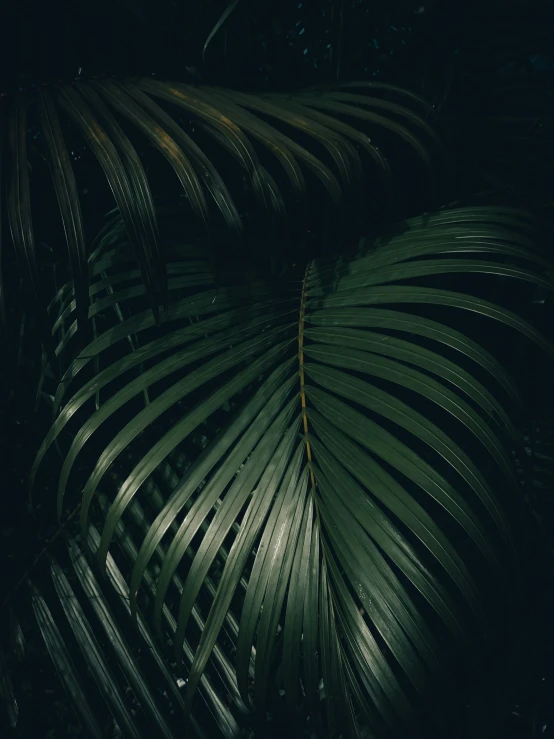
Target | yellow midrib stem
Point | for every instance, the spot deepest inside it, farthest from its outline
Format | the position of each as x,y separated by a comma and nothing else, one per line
303,300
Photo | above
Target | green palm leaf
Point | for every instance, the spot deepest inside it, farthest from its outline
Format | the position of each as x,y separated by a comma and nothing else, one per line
64,664
233,120
319,526
7,692
108,655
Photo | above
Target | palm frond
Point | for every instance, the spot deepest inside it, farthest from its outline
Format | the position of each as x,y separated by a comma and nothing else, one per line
102,642
248,127
221,20
7,693
346,477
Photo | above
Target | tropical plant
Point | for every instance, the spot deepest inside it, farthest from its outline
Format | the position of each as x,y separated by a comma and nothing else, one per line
283,485
295,481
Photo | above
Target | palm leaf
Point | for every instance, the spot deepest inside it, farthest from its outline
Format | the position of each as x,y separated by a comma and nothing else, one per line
245,126
7,692
68,199
64,664
221,20
108,655
320,524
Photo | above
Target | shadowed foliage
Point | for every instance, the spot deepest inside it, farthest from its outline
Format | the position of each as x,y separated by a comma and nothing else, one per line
282,478
329,519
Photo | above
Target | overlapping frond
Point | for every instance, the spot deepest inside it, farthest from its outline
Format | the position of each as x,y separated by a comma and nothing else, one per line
95,622
168,115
